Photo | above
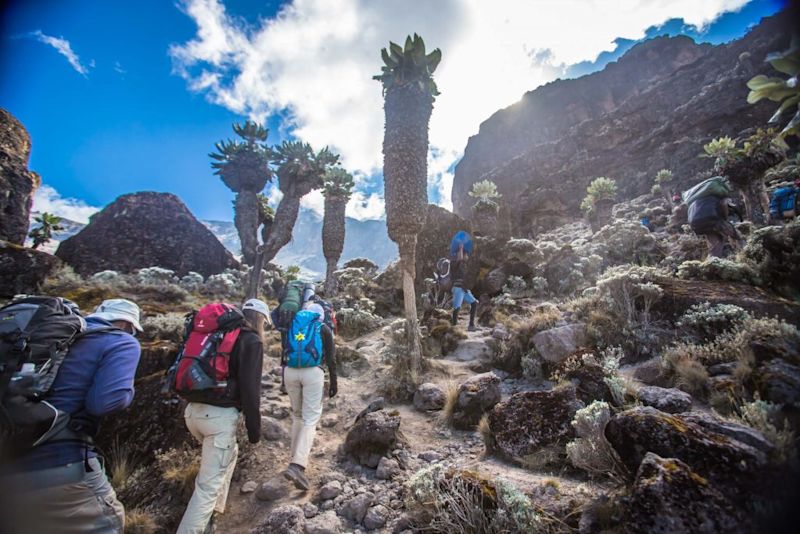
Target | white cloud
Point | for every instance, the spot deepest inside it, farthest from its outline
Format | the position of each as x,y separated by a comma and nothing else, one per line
47,199
314,61
315,202
64,48
363,207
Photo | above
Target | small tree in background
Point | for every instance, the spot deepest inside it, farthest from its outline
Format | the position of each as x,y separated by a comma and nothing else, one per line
485,208
338,187
408,92
664,179
600,197
48,223
244,167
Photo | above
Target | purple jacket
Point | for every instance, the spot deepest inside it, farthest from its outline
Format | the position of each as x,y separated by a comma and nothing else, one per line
95,379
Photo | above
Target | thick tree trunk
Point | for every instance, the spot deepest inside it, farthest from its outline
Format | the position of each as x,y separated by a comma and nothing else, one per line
333,234
665,192
486,220
756,202
331,284
281,231
246,221
407,248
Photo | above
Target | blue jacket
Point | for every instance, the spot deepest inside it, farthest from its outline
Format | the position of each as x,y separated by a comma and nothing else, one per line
95,379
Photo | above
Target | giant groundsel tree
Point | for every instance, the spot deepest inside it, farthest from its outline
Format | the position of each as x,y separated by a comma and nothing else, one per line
337,189
409,92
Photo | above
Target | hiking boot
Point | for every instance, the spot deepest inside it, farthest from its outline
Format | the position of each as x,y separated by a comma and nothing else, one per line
295,474
455,317
471,328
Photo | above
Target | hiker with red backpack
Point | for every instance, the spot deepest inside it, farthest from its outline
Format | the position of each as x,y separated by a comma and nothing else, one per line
61,375
309,345
219,372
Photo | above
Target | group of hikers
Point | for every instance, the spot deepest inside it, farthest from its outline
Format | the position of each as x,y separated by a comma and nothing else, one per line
708,209
62,373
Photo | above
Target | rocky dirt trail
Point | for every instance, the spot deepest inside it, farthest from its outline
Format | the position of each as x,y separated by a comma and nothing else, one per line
258,488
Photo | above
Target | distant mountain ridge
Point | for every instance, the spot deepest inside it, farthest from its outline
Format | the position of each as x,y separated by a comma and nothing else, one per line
363,239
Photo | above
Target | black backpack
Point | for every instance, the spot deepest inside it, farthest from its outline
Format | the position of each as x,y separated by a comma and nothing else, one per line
704,214
36,334
443,276
330,314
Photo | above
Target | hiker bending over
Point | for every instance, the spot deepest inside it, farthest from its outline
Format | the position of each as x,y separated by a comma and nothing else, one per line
461,295
783,204
309,343
213,417
708,216
61,485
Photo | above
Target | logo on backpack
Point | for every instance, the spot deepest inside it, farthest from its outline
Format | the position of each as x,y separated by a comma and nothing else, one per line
200,372
36,334
304,342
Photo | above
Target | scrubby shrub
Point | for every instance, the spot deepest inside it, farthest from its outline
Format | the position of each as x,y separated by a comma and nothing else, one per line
687,373
774,254
720,269
192,281
517,352
630,292
709,321
353,281
353,323
168,326
453,501
222,284
628,242
591,451
523,251
106,277
764,416
179,467
155,276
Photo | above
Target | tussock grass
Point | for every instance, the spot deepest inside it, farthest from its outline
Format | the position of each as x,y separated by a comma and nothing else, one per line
450,401
140,522
122,464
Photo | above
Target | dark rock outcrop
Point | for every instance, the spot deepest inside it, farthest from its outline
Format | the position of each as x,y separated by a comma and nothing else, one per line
17,183
668,497
475,396
670,400
434,241
373,435
22,270
712,454
144,230
531,420
654,108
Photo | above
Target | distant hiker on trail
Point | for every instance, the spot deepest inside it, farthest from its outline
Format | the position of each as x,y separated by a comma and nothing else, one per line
309,344
708,215
231,343
783,204
58,483
460,249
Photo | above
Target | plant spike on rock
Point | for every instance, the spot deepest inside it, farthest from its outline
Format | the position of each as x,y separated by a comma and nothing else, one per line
300,170
779,90
409,92
48,223
243,166
338,187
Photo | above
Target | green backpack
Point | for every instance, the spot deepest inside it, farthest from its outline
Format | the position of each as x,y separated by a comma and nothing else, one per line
716,186
291,302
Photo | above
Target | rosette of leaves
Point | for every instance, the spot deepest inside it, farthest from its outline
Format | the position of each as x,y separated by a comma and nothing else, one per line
664,176
721,149
601,189
337,189
243,166
409,91
786,91
486,193
48,223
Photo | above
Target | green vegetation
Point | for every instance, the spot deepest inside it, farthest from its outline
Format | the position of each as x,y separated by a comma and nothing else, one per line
601,188
663,176
486,193
786,91
337,188
48,223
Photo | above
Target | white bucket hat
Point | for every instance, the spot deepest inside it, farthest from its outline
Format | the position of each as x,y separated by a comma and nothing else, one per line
258,306
315,308
119,310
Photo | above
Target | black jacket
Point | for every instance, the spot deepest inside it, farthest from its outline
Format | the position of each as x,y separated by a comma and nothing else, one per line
458,270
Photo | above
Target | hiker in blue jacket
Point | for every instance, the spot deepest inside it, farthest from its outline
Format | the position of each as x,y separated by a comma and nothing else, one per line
461,294
61,485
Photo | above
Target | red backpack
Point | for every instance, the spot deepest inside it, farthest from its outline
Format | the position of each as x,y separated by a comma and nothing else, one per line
201,370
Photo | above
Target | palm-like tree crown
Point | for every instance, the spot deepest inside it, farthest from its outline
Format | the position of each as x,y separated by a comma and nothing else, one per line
409,64
297,164
338,183
244,165
780,90
663,176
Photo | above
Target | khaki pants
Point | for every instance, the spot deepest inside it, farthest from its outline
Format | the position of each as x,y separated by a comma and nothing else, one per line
60,500
215,428
305,387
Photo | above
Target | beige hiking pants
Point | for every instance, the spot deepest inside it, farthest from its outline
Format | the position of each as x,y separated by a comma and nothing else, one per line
215,428
305,387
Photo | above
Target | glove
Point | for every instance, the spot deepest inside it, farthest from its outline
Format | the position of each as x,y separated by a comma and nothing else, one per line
334,388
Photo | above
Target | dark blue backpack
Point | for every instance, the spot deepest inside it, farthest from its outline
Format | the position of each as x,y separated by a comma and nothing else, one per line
304,340
782,203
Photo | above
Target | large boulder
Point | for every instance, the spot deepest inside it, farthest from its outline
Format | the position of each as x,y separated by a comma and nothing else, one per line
429,397
284,519
709,452
434,242
670,400
17,183
373,435
143,230
475,396
555,344
531,420
22,270
669,498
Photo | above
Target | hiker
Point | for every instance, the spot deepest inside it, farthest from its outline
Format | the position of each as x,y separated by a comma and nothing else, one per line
212,414
60,485
460,294
783,204
309,344
708,216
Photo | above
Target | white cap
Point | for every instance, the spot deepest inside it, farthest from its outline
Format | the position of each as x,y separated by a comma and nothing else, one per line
119,310
315,308
257,306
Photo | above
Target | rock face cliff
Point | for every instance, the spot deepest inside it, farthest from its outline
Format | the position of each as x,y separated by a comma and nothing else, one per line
17,183
145,230
654,108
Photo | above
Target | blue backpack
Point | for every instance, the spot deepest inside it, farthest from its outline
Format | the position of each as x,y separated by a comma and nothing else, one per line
461,238
782,203
304,341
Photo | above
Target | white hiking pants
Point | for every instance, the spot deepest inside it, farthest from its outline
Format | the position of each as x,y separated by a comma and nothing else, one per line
215,428
305,387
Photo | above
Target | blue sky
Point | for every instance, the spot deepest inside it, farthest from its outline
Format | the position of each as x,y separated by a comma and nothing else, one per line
154,83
